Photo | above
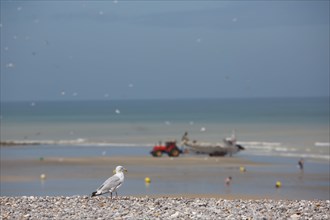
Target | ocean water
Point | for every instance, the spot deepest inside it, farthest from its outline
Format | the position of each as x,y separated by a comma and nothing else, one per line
285,127
276,131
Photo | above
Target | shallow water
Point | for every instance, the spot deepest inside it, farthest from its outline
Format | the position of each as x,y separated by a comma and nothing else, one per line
296,127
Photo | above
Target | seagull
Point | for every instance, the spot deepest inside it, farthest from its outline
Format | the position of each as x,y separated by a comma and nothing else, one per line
112,184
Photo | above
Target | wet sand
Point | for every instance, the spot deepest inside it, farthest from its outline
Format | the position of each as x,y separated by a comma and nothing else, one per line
187,176
92,167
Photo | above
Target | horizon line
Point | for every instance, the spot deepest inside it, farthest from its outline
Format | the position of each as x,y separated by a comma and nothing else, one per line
159,99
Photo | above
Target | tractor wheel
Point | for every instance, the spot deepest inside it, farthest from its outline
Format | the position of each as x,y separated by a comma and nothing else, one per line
157,153
217,154
174,153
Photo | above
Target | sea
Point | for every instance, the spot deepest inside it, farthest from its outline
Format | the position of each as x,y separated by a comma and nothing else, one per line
279,131
284,127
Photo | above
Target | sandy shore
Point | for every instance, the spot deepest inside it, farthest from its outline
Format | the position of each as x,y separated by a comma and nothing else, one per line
97,166
189,177
146,160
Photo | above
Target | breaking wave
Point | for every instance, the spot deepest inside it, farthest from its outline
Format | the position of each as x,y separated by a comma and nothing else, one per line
257,148
74,142
279,149
266,146
322,144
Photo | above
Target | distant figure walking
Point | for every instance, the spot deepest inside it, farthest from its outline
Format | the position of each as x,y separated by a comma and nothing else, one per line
228,180
301,164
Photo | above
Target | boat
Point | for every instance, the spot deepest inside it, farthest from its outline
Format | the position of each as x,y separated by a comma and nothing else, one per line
228,146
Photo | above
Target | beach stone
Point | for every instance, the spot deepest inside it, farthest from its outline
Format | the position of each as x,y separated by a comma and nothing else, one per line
84,207
295,217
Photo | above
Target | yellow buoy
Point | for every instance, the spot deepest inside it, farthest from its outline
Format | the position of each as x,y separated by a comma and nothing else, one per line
147,180
43,176
242,169
278,184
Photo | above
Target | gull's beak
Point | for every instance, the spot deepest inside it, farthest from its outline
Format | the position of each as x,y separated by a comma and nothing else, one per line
125,170
114,171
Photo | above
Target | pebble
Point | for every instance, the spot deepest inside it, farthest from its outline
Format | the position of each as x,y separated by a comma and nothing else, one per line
84,207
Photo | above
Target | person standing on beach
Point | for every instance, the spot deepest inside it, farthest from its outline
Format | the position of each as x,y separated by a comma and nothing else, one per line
228,180
301,164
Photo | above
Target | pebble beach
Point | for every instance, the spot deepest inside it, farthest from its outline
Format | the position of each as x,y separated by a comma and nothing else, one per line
85,207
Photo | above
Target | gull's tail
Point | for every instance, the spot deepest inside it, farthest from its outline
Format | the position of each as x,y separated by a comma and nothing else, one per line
94,194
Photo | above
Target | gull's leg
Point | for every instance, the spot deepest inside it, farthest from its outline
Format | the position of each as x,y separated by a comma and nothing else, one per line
116,194
111,195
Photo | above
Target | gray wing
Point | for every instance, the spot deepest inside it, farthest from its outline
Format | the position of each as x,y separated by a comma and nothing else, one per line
110,183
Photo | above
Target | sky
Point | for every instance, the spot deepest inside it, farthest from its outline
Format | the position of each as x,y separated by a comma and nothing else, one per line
95,50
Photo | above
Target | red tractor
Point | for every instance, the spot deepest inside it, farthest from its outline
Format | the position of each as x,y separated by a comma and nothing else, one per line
170,148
